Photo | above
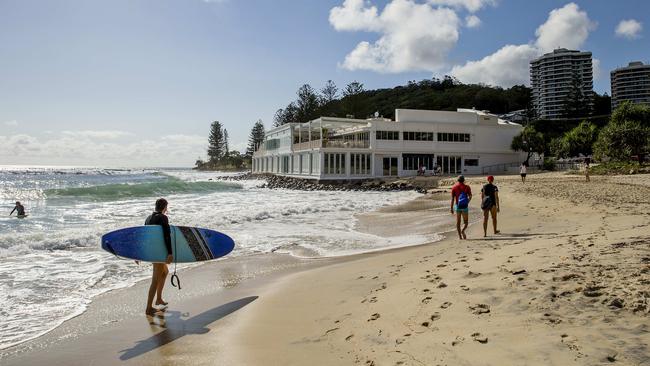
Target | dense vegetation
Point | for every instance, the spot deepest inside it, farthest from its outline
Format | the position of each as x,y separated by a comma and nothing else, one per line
618,140
432,94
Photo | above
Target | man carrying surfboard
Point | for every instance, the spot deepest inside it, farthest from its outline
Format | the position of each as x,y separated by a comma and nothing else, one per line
160,270
20,210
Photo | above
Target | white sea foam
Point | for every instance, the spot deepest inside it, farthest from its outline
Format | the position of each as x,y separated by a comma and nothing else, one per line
52,263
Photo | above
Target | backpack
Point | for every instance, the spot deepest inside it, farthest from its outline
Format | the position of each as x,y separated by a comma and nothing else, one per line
463,201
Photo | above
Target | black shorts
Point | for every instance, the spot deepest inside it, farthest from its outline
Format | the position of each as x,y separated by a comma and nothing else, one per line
523,175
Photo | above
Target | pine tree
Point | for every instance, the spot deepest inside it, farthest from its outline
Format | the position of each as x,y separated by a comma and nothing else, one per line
576,104
226,150
306,104
215,143
352,98
255,139
329,92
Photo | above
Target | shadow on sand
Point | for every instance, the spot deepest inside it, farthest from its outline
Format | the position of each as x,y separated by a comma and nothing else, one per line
176,327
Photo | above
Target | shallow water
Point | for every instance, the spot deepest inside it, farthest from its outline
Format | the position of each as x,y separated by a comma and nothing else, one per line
52,265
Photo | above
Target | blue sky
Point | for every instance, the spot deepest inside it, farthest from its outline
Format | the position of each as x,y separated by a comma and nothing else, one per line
137,83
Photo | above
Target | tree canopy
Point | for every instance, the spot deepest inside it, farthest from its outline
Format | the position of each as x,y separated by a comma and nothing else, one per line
529,141
626,135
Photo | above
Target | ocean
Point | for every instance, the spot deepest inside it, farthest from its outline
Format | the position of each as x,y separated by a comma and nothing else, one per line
52,263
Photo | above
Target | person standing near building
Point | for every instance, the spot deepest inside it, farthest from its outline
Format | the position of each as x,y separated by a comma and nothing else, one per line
522,171
461,195
587,163
490,204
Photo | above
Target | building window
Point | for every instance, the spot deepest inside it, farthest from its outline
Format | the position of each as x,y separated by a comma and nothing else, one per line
387,135
471,162
272,144
418,136
334,164
360,164
416,161
453,137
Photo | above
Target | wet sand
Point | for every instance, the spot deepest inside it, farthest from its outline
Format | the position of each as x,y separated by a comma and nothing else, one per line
567,282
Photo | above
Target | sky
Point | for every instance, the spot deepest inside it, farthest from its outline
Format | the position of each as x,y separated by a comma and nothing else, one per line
136,83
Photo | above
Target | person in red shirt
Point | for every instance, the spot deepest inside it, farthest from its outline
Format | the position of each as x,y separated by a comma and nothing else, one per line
461,194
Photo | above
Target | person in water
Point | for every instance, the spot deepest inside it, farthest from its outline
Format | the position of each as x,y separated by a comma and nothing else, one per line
20,210
160,270
461,194
490,204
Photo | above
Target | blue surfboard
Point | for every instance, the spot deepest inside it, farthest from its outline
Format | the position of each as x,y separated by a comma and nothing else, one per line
146,243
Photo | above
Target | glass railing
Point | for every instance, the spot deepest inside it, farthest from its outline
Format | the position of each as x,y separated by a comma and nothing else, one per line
346,144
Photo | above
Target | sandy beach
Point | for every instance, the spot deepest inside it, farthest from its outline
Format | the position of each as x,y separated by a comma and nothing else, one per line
567,282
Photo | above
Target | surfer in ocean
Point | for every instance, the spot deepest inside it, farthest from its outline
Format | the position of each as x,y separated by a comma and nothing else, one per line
160,270
20,210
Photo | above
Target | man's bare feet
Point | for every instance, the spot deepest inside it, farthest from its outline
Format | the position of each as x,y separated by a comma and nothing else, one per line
151,311
497,232
463,233
161,302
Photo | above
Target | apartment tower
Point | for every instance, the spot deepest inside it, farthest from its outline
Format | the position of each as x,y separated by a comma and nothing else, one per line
631,83
553,76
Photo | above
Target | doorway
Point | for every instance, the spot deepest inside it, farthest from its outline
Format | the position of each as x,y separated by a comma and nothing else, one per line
390,166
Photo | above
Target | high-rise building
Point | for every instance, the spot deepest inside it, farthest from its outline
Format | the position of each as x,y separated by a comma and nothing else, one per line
555,76
631,83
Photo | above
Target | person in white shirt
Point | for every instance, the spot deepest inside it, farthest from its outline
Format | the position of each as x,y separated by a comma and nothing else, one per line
522,172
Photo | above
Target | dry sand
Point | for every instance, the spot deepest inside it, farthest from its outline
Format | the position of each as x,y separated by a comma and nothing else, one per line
567,282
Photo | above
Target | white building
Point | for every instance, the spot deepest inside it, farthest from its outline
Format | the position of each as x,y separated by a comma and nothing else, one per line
327,148
631,83
551,78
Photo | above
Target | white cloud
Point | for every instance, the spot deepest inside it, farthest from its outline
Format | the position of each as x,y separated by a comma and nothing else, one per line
470,5
472,21
566,27
84,149
354,15
629,29
98,134
414,37
11,123
506,67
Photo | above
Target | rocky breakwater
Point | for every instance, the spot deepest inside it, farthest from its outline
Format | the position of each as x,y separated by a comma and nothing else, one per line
280,182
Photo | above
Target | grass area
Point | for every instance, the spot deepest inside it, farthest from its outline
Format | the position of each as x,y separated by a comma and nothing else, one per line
620,168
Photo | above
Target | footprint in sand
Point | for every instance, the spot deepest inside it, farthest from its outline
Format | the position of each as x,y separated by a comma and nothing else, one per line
426,300
442,285
457,341
374,316
478,337
349,337
479,309
464,288
435,316
445,305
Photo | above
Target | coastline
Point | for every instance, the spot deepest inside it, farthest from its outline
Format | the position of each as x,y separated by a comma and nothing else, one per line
109,313
549,282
